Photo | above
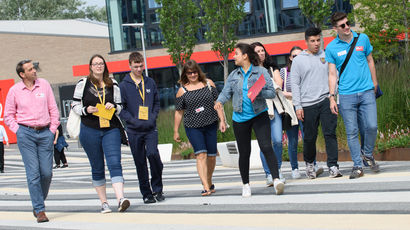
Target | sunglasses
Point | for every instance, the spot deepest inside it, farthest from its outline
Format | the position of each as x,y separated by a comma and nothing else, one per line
293,56
344,25
191,73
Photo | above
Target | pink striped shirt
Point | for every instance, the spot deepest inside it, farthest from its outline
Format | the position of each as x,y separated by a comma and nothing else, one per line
35,107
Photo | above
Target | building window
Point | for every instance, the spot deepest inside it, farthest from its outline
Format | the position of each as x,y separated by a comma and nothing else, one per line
263,17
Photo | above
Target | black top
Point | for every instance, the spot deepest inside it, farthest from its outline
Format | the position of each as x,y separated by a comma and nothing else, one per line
90,98
199,106
60,131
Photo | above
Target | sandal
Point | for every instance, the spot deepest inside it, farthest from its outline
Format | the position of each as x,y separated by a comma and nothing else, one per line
205,193
212,188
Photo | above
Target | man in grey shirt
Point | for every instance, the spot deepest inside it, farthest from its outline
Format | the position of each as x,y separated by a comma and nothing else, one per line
310,91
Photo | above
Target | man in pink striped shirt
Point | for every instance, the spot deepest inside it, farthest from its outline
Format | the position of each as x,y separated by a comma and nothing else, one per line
31,112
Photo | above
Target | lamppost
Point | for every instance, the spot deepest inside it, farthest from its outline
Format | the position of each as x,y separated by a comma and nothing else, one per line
140,26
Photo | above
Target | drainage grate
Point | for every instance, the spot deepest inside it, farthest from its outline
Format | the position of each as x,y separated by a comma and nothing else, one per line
231,148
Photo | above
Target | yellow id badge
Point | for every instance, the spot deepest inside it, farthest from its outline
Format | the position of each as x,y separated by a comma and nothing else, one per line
143,113
104,123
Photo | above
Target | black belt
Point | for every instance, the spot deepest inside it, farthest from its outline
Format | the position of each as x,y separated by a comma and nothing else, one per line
37,128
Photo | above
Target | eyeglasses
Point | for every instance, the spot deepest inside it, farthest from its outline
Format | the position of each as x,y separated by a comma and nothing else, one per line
191,73
344,25
98,64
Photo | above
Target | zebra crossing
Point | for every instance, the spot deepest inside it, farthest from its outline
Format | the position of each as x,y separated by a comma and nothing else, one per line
71,194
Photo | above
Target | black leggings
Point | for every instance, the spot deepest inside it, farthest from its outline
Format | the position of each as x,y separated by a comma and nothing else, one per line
243,131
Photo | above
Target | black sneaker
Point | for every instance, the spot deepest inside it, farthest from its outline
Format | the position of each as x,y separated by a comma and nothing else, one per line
356,172
371,162
159,196
56,167
149,200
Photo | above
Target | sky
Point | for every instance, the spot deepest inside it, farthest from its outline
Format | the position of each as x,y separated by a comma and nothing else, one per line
99,3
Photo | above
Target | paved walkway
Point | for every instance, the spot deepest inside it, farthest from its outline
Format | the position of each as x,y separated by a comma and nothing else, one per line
376,201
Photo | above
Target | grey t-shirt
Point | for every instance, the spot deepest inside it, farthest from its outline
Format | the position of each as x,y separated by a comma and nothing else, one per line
309,79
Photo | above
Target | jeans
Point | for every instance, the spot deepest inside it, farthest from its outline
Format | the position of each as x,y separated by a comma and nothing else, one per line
96,144
143,146
359,111
36,149
242,131
276,135
203,139
293,135
312,115
1,156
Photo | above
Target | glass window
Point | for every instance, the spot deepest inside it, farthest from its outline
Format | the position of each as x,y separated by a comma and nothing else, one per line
288,4
153,4
263,17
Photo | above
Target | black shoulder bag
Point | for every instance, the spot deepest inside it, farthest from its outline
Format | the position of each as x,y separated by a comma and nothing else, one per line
379,92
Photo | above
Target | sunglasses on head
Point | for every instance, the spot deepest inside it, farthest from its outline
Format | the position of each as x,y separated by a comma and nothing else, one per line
344,25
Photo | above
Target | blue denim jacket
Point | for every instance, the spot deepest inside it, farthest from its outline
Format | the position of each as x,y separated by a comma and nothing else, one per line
233,88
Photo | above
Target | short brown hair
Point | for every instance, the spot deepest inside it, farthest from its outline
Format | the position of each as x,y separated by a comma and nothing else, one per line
337,16
135,57
191,65
19,67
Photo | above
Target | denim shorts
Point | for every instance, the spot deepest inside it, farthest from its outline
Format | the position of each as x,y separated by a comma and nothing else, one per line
203,139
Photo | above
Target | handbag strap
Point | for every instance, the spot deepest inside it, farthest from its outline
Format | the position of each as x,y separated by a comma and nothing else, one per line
286,76
348,56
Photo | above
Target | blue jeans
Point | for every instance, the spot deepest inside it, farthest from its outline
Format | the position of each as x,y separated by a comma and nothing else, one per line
293,135
36,149
100,142
276,135
359,111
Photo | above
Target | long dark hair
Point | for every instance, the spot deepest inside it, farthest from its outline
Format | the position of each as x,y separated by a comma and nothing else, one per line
191,65
268,62
247,49
290,53
106,78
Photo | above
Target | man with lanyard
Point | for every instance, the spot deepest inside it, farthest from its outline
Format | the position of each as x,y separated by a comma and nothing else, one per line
31,112
357,88
140,110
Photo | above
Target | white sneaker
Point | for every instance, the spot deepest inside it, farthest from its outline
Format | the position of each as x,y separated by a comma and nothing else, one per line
334,172
296,174
319,170
246,191
281,177
279,186
269,180
105,208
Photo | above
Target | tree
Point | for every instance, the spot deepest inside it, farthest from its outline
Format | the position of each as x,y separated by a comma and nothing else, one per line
317,12
384,21
222,18
179,23
48,9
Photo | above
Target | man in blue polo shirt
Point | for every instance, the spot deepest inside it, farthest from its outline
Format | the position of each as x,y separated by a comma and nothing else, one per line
357,86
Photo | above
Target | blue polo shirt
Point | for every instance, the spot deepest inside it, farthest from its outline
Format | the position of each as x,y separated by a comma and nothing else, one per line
356,77
247,108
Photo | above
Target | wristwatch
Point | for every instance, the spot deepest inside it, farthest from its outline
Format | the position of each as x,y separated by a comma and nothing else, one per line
332,95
